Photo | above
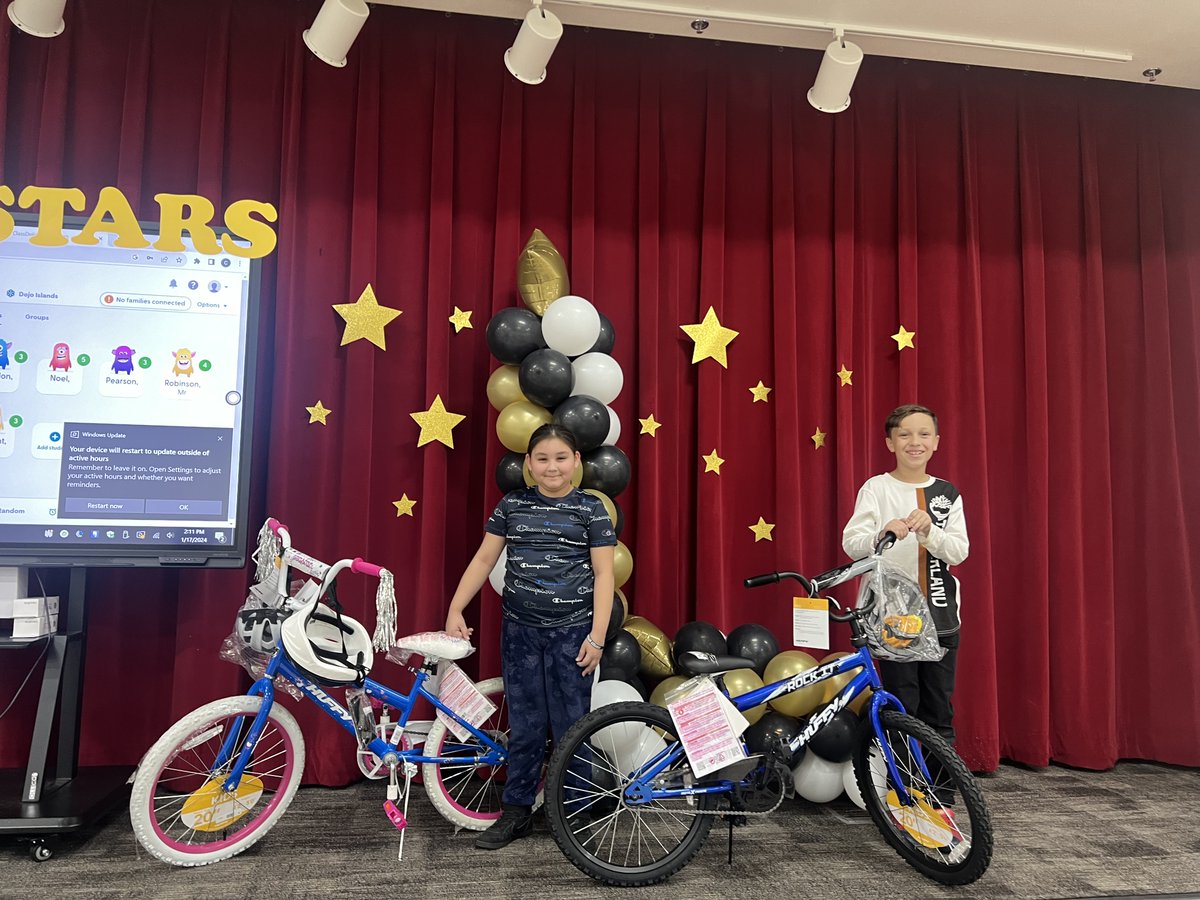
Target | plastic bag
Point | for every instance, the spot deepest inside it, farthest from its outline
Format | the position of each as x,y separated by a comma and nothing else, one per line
256,635
899,626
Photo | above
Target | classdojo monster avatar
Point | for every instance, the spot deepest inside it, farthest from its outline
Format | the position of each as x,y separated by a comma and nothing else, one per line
60,357
183,362
5,346
123,359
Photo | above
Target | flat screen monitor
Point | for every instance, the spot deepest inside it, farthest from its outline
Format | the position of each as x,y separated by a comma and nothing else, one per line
126,402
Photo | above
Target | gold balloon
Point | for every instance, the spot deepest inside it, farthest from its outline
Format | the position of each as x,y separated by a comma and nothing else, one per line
658,696
743,681
656,646
622,564
856,705
833,686
504,387
785,665
609,506
518,421
541,273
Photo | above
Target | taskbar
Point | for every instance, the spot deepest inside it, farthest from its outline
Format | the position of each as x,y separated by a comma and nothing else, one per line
51,535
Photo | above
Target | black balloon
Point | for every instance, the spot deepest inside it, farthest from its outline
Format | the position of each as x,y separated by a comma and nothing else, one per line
619,525
587,418
755,643
837,738
606,469
510,472
703,637
607,339
622,653
513,334
774,729
546,377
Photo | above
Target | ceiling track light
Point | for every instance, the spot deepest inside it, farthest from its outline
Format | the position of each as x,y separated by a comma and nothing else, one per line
830,93
540,33
333,31
40,18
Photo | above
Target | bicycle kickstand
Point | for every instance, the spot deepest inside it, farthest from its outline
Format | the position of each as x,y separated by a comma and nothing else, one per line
399,817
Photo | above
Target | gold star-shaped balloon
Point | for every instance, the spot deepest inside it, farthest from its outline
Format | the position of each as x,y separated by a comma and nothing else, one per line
762,530
404,506
818,438
365,318
436,423
461,319
712,462
711,338
760,392
844,375
904,338
649,426
318,413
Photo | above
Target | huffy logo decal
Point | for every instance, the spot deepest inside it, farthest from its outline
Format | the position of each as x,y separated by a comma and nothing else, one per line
247,221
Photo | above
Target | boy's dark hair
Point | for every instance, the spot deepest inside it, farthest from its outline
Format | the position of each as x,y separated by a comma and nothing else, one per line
900,413
552,430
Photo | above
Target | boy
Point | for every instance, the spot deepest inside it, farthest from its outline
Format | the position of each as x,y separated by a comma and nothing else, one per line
926,515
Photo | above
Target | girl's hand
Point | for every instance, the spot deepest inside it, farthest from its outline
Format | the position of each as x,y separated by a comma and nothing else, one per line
588,657
456,626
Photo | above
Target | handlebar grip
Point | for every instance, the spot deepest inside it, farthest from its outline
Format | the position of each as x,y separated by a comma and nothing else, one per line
276,526
889,538
760,580
364,567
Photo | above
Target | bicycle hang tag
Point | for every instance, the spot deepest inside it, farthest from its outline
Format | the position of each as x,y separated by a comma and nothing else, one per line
708,726
460,694
810,622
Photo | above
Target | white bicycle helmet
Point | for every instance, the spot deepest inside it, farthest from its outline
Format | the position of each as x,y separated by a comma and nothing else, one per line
332,648
259,628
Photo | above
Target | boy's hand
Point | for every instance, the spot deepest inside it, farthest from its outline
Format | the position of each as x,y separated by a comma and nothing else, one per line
919,521
588,657
456,626
898,527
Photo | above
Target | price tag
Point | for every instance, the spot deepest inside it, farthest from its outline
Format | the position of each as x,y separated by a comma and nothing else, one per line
707,730
810,622
459,693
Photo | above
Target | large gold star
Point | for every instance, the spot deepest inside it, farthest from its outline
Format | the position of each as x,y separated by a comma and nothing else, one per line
904,338
436,423
461,319
760,392
318,413
762,530
845,375
404,506
711,338
712,462
365,318
818,438
649,426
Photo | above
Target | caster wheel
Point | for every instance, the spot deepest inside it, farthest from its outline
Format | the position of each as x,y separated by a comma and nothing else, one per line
40,852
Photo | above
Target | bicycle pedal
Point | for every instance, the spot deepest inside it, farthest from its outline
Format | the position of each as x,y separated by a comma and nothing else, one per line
395,816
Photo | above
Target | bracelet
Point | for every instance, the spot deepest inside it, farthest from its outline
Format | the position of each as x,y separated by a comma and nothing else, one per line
594,644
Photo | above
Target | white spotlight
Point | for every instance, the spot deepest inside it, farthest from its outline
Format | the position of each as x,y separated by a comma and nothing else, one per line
41,18
831,91
535,43
334,29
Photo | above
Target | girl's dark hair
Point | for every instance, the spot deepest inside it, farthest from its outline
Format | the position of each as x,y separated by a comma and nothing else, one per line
553,430
900,413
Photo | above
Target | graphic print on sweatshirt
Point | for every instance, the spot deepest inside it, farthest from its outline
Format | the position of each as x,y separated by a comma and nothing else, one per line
940,587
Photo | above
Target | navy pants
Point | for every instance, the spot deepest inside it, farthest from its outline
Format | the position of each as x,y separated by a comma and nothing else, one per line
545,691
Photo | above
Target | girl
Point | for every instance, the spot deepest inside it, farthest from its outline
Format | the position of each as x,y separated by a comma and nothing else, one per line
558,596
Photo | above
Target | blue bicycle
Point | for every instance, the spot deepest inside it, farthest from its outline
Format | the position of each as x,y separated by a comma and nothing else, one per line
626,807
222,776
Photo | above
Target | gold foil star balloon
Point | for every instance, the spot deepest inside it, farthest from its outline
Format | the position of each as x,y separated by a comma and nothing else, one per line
656,646
711,338
541,273
365,318
436,423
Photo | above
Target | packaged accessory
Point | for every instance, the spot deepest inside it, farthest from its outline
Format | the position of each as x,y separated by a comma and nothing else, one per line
899,625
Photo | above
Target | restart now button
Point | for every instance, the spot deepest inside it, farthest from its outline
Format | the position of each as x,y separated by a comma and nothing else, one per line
185,507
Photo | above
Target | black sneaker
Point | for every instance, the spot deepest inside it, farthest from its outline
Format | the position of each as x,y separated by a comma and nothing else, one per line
514,822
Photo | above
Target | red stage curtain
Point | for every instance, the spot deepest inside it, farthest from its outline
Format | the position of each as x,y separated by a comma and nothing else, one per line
1040,234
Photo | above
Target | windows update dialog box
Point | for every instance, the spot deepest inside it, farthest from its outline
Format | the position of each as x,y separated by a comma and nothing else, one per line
146,472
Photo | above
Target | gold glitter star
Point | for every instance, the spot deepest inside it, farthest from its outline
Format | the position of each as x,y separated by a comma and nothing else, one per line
649,426
762,530
365,318
712,462
461,319
318,413
845,375
904,338
818,438
404,506
711,338
760,392
436,423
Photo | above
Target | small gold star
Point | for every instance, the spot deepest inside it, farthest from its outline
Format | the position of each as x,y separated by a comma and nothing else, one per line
436,423
365,318
711,338
318,413
712,462
649,426
404,506
818,438
904,338
845,375
762,530
760,392
461,319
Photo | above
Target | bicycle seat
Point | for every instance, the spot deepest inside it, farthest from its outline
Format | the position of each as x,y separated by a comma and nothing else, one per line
693,662
435,645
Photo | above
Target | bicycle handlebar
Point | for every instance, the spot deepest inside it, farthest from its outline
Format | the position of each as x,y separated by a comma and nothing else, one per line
362,566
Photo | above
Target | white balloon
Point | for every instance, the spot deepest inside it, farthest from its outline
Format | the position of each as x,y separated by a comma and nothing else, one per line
817,780
614,427
850,784
496,576
570,325
638,751
611,691
620,736
597,375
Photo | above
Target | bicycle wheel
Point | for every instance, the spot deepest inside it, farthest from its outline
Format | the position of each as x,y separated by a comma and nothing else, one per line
178,810
468,794
946,833
613,841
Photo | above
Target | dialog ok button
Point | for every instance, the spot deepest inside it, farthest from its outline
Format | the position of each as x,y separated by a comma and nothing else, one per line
185,507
